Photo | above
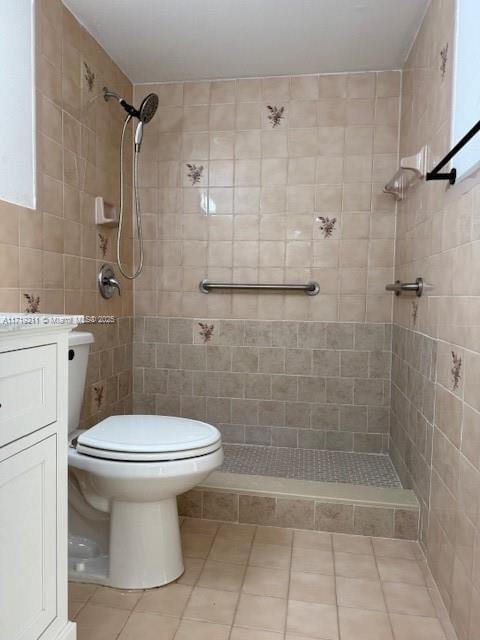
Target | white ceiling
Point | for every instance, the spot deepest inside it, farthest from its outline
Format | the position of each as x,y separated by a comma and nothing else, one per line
164,40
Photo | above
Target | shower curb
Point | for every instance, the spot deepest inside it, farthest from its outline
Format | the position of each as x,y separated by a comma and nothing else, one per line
304,504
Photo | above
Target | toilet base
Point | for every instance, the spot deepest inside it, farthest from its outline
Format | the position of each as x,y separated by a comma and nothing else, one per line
145,548
89,570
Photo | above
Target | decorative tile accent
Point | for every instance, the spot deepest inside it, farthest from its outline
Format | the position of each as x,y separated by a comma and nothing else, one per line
327,225
311,464
275,115
103,243
89,77
98,391
444,60
455,370
206,331
194,173
33,303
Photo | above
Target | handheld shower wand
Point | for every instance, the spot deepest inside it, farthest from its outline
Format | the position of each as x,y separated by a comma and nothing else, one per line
144,114
138,136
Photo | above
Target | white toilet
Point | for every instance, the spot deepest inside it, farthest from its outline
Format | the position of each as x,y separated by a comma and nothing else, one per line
125,475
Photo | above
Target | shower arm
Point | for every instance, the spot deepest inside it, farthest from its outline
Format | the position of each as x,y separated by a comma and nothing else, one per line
108,93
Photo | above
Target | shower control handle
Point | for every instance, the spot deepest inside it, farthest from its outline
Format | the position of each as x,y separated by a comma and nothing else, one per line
107,282
113,282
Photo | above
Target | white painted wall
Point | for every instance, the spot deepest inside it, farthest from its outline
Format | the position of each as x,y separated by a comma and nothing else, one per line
17,131
176,40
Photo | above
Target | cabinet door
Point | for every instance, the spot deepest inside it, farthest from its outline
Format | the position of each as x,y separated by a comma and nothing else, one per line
28,391
28,541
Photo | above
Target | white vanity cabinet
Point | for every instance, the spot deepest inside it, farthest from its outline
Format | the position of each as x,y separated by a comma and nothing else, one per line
33,478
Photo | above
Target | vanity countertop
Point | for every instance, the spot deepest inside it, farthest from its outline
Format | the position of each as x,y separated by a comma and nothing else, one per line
37,321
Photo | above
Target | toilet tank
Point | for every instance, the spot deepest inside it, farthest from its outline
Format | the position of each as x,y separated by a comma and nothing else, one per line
78,349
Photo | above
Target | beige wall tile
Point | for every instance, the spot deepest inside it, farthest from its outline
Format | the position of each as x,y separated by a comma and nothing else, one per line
40,239
373,521
334,517
439,241
257,510
9,265
295,513
304,87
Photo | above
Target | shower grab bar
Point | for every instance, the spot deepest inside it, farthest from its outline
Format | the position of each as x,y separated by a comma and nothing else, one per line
311,288
399,287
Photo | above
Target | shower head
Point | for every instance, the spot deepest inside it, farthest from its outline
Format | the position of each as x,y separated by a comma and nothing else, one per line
147,108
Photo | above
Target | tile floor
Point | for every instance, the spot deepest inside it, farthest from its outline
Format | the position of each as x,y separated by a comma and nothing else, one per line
370,469
244,582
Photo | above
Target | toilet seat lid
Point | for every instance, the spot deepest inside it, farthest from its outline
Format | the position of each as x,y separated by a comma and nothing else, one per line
148,437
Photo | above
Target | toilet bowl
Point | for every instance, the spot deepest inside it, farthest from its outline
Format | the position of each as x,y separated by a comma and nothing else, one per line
125,474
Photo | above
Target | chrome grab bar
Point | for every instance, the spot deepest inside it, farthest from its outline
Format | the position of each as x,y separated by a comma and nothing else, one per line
311,288
399,287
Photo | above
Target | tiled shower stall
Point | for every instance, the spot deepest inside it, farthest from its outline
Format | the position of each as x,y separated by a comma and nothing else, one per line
270,180
275,180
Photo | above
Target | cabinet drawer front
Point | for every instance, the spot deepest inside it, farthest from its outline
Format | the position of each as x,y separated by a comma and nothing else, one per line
28,502
28,391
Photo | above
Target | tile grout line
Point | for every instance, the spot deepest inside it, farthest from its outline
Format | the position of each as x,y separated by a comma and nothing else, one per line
287,601
220,524
240,591
125,624
387,612
337,607
86,601
180,617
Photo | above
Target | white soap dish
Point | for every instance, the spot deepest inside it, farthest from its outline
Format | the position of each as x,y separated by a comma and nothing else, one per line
105,213
412,169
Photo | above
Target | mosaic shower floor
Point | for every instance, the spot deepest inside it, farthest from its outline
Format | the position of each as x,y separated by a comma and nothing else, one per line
311,464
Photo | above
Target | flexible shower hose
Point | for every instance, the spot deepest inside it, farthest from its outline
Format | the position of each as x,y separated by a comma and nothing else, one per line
138,216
